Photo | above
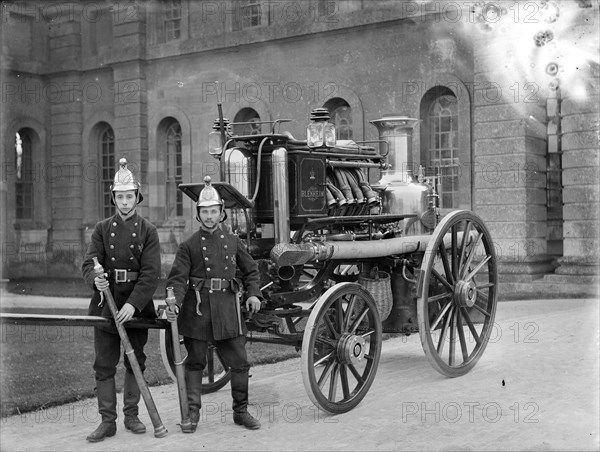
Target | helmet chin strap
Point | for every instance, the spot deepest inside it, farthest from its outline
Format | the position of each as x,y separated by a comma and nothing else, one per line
206,228
137,197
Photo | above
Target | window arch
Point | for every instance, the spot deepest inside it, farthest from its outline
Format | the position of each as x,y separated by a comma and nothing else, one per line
341,117
247,115
440,142
25,177
106,151
174,169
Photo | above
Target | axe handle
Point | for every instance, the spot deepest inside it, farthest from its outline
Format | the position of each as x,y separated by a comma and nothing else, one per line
159,429
179,374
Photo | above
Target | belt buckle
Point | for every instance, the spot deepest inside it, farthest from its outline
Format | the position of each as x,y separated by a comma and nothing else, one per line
120,276
215,283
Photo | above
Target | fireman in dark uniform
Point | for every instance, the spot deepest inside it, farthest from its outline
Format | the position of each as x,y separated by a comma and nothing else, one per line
208,294
128,248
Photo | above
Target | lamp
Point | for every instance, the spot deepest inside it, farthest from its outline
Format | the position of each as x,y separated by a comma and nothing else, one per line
320,132
215,142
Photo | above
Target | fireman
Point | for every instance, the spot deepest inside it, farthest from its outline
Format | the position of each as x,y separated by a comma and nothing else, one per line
127,246
208,294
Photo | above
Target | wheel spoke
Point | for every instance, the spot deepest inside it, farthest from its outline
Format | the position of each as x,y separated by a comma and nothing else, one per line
476,269
440,315
471,326
344,380
333,382
326,373
339,317
485,286
454,256
471,254
358,320
464,244
461,336
358,376
439,297
441,279
480,309
444,256
440,345
323,359
349,311
327,321
451,347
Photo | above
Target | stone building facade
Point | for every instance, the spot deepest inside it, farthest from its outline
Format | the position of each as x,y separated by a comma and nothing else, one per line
507,93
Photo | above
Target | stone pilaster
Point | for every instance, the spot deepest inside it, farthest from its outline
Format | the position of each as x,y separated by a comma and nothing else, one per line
65,116
509,134
130,93
581,189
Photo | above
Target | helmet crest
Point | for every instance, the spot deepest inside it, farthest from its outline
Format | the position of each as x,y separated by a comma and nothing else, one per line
209,196
124,181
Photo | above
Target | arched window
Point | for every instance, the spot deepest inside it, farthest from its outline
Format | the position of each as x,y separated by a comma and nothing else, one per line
441,143
24,171
174,204
106,146
247,115
341,117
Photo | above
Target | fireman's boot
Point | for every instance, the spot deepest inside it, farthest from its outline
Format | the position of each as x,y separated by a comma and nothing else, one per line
239,392
107,407
131,398
193,382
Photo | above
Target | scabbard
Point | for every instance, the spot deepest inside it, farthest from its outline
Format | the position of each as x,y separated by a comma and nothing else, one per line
198,302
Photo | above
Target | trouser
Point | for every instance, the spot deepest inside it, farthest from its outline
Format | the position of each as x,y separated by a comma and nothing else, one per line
233,352
108,353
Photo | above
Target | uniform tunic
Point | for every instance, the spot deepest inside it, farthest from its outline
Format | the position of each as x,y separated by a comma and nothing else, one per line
206,255
130,245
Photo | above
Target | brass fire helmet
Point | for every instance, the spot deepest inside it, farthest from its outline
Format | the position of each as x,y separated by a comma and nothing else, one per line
209,196
125,181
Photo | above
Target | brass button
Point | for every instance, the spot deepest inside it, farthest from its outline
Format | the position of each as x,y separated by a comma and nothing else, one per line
133,235
203,248
222,236
112,259
135,224
203,238
112,234
112,247
206,258
225,246
208,269
114,223
210,291
131,258
131,246
226,268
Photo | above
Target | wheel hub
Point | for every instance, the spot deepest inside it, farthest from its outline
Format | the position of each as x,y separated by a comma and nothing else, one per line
465,293
351,349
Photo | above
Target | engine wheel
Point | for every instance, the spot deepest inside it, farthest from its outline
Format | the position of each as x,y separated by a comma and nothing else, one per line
456,293
216,374
341,348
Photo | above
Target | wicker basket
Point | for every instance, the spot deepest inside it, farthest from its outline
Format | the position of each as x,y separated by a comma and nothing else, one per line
380,286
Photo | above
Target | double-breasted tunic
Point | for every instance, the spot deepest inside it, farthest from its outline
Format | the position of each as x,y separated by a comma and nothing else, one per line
131,245
204,256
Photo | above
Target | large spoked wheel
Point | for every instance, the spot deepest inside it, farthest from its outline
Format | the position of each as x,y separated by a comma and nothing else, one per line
341,348
456,293
216,374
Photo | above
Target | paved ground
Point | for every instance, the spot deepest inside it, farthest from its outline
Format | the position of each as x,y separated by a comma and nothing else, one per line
545,351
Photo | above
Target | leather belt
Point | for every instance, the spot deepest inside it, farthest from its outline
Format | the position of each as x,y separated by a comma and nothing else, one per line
213,284
123,276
